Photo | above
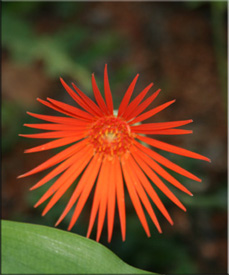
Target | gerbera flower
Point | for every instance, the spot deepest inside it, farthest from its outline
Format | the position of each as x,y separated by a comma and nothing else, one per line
107,149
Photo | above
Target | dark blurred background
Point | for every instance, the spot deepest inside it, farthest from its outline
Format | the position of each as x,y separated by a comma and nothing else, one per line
181,47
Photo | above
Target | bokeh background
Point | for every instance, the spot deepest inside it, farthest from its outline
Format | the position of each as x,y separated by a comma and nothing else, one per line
181,47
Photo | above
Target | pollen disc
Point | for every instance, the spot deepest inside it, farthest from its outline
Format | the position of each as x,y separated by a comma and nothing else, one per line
111,136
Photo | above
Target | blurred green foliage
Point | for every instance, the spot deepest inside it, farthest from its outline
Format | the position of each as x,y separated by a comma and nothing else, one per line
66,51
219,5
218,11
11,112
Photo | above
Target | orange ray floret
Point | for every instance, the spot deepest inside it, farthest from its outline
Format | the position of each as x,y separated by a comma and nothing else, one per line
111,194
107,152
119,187
127,96
134,103
141,107
134,196
152,112
107,92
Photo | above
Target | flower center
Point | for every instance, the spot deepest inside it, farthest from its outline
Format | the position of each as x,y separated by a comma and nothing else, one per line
111,136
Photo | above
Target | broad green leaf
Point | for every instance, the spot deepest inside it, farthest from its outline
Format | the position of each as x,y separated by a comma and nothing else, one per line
36,249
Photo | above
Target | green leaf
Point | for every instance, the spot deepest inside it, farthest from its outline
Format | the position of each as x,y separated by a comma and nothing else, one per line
36,249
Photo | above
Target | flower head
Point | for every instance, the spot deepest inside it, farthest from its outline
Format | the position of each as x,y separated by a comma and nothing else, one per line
107,150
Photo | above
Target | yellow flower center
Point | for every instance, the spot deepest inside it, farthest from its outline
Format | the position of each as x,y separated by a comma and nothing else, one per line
111,136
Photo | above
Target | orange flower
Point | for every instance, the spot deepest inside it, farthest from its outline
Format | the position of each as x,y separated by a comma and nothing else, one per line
105,148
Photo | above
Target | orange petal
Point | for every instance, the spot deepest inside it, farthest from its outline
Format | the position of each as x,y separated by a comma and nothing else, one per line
100,192
103,198
150,191
63,178
142,195
120,195
90,173
56,159
152,112
107,90
73,174
127,96
171,148
75,97
111,199
58,183
162,172
70,109
167,132
165,162
98,95
150,127
60,168
55,134
78,115
60,119
140,108
53,144
134,103
91,106
134,196
78,99
59,127
157,181
87,181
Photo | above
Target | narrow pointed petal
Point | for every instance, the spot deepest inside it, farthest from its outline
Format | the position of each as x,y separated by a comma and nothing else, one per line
168,132
76,97
75,172
56,134
98,95
64,177
167,163
134,196
86,105
158,182
171,148
162,172
91,176
150,127
56,158
53,144
87,180
142,195
100,194
152,112
134,103
107,90
103,200
127,96
60,181
60,168
59,119
140,108
70,109
120,196
94,109
78,114
111,199
55,127
150,191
